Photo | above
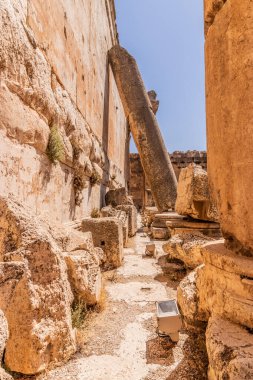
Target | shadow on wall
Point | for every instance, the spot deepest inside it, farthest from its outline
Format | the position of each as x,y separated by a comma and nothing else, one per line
105,135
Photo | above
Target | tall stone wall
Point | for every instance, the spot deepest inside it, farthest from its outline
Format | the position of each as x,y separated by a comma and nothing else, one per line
138,185
229,90
54,73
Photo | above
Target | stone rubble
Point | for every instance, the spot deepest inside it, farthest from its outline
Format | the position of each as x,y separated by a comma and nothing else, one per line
187,248
230,350
37,301
44,296
193,196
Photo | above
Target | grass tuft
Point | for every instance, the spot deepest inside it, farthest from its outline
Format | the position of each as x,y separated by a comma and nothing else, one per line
55,148
79,313
95,213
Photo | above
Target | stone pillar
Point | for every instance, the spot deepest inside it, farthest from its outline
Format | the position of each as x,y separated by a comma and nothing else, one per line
144,127
229,107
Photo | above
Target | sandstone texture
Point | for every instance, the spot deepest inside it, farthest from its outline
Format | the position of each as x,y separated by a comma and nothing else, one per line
84,276
187,298
159,233
225,286
230,350
187,248
193,196
131,211
229,87
211,9
107,234
153,100
54,74
118,197
144,128
123,216
109,211
35,300
4,334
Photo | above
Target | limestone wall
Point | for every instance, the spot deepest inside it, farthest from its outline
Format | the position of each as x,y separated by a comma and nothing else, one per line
138,186
54,72
229,89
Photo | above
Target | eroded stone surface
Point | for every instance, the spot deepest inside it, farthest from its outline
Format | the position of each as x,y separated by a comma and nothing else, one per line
159,233
38,307
153,100
63,82
187,297
118,197
222,286
144,127
193,197
84,275
230,350
225,286
107,234
228,57
4,333
187,248
132,218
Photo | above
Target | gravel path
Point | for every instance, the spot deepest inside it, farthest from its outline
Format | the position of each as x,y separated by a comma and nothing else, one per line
120,343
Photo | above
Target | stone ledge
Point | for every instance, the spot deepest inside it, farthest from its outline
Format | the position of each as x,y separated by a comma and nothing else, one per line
219,256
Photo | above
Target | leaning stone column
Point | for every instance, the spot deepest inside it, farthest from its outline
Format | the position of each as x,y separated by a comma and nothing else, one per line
144,127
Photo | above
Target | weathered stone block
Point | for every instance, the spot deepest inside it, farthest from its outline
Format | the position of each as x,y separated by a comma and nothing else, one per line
160,233
229,81
230,350
193,197
84,275
187,248
4,334
225,286
187,298
107,234
124,217
38,307
108,211
73,240
118,197
150,250
132,218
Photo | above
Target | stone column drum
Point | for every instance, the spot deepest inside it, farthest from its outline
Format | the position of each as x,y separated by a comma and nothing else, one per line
229,109
144,127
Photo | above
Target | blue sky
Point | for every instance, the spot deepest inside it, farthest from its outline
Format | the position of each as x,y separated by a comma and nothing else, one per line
166,38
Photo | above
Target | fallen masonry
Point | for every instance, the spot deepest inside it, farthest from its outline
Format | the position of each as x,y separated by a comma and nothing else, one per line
108,235
36,301
144,127
81,272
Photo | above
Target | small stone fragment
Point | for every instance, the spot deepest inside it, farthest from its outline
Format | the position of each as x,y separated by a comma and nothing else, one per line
150,250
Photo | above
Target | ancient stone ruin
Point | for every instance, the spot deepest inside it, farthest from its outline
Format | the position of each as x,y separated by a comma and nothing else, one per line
93,238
